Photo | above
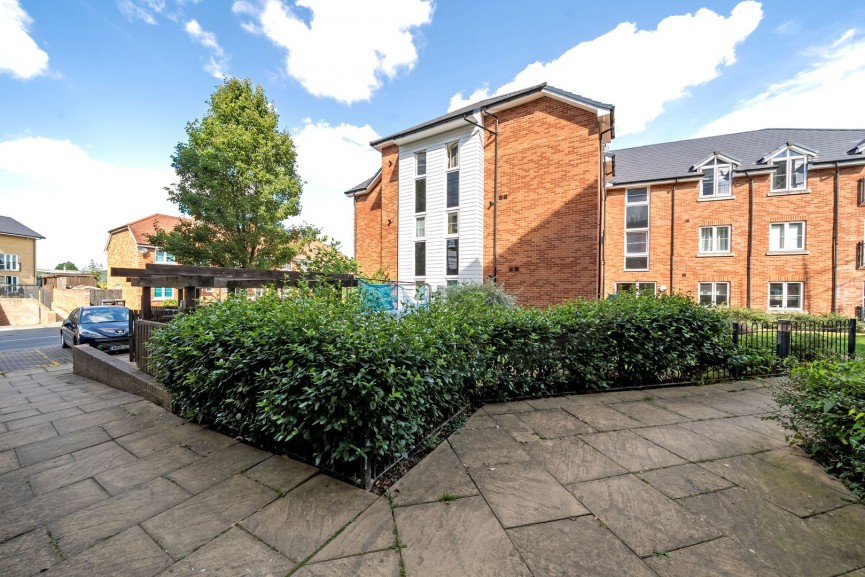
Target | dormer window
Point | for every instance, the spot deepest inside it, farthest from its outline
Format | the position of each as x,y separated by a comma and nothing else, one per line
791,170
717,179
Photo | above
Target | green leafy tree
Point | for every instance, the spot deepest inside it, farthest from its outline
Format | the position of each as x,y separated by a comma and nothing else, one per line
238,181
96,268
68,265
325,257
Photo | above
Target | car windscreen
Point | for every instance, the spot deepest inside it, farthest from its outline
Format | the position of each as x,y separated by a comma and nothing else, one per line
104,315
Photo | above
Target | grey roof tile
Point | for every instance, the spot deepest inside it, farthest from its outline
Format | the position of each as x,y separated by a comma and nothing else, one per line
363,185
9,225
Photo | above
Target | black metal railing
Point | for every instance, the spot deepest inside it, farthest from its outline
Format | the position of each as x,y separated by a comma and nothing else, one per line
141,332
21,291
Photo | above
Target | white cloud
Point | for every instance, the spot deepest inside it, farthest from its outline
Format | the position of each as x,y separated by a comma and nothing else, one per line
639,71
217,65
56,188
332,159
145,10
347,47
825,94
19,54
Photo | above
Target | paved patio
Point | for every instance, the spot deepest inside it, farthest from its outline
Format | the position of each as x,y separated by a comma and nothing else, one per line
676,482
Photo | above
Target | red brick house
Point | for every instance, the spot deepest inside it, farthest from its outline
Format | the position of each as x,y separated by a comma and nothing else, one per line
521,188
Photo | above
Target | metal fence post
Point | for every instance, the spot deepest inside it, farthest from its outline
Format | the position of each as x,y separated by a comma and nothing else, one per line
737,370
851,338
782,345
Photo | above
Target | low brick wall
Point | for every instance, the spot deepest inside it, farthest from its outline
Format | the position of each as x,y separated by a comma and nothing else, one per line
20,312
70,299
116,371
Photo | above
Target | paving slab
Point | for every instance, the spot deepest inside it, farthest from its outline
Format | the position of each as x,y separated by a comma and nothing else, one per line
130,554
551,403
512,407
690,409
70,424
553,423
587,399
479,447
523,493
380,564
217,467
13,439
3,428
843,529
768,426
281,473
8,461
776,536
649,414
61,445
685,443
122,477
740,403
44,418
741,439
196,521
642,517
631,451
88,462
140,416
31,513
27,554
82,529
684,481
306,517
17,415
460,537
14,487
603,417
719,558
479,420
373,530
576,547
202,441
570,460
232,554
798,461
439,473
791,491
510,422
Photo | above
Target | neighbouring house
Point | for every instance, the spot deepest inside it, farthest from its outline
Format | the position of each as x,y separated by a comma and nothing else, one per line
64,279
19,291
522,188
509,188
128,247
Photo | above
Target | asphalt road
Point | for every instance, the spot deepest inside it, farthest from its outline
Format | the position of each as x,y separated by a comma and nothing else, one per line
38,338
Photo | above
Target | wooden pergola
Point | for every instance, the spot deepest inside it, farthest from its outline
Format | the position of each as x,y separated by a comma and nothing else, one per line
189,280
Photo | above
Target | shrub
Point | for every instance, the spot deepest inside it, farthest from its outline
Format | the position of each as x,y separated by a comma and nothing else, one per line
825,413
489,292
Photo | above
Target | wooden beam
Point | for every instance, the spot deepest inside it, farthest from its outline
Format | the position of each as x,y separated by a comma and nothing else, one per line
173,281
127,272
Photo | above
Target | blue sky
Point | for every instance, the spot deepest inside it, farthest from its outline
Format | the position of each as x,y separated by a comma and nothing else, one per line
95,94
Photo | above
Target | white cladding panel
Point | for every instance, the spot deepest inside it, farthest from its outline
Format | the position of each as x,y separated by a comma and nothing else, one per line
471,210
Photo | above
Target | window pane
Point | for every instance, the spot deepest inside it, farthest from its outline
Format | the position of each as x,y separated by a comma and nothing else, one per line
706,239
797,235
625,287
722,295
779,180
636,242
776,295
453,223
636,195
723,241
453,155
646,288
776,237
794,295
637,217
636,263
725,178
420,163
453,257
420,227
453,188
705,293
420,195
420,259
708,182
798,173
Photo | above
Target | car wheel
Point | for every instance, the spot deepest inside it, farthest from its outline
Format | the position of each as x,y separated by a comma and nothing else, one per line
63,341
76,340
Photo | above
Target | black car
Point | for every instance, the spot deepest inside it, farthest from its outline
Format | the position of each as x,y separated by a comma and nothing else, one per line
105,327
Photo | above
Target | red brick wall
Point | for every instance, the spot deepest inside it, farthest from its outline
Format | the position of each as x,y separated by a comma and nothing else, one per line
547,226
814,269
368,230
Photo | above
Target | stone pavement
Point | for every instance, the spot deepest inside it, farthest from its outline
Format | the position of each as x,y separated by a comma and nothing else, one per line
687,481
22,360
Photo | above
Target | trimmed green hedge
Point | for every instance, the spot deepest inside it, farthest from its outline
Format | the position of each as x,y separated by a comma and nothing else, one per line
825,413
328,378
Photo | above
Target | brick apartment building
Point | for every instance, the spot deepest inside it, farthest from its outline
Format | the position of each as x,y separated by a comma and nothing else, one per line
521,188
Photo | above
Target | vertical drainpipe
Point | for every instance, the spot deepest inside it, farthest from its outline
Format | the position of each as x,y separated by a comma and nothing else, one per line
673,233
602,201
750,235
495,201
835,239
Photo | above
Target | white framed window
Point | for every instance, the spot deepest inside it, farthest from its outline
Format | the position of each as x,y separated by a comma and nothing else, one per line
638,288
420,213
160,293
164,257
791,171
9,280
420,227
786,295
9,262
714,293
420,259
453,223
453,150
715,239
787,236
637,229
452,257
717,180
452,176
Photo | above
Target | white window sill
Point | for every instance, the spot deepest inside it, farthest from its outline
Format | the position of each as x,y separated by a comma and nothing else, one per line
787,253
787,193
714,198
636,270
715,254
784,310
